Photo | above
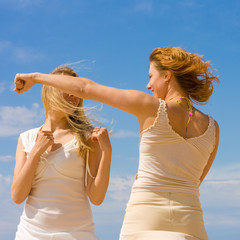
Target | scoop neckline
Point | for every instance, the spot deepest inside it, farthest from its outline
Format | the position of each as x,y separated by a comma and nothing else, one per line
177,134
161,101
58,149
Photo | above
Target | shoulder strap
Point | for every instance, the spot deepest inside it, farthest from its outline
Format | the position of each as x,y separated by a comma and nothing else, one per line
87,169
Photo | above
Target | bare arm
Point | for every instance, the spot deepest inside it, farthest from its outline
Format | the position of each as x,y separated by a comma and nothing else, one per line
134,102
212,156
99,164
25,168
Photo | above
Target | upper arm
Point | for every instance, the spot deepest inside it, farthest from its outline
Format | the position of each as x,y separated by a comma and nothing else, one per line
20,157
132,101
212,156
93,162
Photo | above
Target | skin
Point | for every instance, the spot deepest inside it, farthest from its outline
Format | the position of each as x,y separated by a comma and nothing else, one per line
54,134
162,84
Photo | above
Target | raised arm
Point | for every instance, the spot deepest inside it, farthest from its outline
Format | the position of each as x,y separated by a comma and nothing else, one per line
134,102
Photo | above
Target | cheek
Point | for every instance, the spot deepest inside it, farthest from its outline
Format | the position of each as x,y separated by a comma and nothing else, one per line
78,100
161,90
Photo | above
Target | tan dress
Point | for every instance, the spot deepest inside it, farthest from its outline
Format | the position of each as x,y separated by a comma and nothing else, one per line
164,203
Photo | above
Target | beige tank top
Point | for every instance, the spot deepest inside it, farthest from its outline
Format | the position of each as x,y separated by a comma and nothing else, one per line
168,162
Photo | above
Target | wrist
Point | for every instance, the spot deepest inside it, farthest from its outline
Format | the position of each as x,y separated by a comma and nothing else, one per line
36,78
35,152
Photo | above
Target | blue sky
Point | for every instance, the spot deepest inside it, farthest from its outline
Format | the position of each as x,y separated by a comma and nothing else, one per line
109,41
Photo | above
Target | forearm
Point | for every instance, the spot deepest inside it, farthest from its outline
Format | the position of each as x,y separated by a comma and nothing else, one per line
98,187
72,85
22,182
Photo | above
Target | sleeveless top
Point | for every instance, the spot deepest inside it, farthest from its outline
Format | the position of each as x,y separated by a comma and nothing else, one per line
168,162
57,206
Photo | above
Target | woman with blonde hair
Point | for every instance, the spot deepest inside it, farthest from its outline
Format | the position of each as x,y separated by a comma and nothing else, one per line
178,143
58,167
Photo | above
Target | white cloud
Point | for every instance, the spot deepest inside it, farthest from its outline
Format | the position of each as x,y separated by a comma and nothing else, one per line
190,3
7,158
217,193
22,53
2,87
120,188
220,196
125,134
14,120
6,85
10,212
4,45
224,173
26,54
19,4
144,6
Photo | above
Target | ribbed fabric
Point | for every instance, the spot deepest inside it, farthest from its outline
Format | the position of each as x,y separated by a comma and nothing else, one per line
169,162
164,201
57,206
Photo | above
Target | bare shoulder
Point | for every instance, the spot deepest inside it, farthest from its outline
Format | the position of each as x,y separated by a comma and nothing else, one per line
201,122
200,118
149,113
179,118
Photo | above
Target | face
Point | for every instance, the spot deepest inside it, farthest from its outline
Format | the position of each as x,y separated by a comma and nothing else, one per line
71,99
158,82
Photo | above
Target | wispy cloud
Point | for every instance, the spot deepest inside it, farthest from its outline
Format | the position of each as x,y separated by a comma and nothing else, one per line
7,158
144,6
190,3
2,87
229,172
20,4
5,85
20,53
10,212
14,120
220,193
4,45
120,187
26,54
125,134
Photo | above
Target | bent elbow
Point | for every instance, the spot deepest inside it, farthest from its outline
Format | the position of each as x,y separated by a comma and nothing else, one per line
16,198
97,200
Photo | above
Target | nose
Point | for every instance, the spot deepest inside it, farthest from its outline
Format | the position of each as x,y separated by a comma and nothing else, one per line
148,86
70,95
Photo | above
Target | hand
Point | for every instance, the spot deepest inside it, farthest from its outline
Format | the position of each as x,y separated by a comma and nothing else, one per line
23,82
100,135
44,140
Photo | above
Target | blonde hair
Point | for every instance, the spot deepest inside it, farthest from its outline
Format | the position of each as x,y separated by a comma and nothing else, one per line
77,121
193,74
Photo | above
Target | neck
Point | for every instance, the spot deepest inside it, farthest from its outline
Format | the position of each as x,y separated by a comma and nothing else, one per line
54,122
174,90
175,95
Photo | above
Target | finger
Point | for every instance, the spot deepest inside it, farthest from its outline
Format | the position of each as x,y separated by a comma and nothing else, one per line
94,137
46,131
96,129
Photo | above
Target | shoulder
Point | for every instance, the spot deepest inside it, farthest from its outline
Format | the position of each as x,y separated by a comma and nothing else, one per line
29,135
30,132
